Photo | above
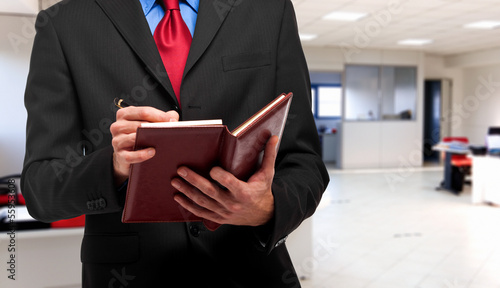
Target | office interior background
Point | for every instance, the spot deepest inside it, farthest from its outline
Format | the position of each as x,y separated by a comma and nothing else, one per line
375,71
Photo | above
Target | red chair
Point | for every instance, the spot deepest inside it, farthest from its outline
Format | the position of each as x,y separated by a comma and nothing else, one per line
9,184
459,160
69,223
457,165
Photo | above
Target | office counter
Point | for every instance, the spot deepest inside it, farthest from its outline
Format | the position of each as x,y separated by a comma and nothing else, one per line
485,179
50,258
45,258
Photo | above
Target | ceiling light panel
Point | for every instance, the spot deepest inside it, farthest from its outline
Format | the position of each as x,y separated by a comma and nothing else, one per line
344,16
483,25
415,42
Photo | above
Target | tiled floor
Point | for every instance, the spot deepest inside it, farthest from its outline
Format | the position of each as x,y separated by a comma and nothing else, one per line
392,229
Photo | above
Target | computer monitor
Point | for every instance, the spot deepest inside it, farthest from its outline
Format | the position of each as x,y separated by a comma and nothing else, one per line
494,131
493,140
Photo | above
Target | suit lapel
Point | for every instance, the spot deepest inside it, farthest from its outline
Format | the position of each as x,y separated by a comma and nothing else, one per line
211,15
128,18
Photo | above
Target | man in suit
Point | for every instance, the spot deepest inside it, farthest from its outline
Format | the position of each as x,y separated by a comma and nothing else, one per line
243,54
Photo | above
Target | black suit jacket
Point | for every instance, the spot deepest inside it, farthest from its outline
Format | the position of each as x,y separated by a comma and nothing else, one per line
244,53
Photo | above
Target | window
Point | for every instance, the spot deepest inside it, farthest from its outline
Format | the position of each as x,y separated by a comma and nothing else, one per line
326,94
380,92
313,100
328,101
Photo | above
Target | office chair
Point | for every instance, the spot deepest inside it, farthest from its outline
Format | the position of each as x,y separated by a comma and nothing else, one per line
460,165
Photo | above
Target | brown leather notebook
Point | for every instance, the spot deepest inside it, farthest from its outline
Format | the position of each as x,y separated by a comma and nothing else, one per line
199,145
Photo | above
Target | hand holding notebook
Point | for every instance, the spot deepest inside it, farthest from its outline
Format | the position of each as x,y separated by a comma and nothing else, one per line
150,195
225,199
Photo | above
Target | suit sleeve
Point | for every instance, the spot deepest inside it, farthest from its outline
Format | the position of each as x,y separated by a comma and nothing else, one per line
300,174
58,180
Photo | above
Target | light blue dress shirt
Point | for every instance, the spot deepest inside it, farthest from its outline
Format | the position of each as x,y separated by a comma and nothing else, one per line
154,13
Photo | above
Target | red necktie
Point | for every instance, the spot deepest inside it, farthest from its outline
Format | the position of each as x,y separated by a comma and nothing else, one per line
173,39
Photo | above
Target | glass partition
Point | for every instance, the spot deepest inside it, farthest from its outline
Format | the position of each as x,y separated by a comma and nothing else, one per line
380,92
361,92
399,92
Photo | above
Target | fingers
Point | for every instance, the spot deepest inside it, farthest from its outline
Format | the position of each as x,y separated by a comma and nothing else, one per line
202,204
146,114
123,132
198,183
211,189
130,118
122,159
198,210
226,179
132,157
243,203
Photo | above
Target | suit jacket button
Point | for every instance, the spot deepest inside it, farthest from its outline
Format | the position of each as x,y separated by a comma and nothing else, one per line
102,203
90,205
194,230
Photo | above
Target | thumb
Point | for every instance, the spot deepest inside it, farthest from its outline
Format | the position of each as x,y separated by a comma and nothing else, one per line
270,153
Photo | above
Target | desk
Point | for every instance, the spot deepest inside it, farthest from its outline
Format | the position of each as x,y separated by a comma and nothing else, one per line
453,180
49,258
43,258
485,180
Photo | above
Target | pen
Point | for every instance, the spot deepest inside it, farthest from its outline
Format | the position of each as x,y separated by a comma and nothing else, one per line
120,103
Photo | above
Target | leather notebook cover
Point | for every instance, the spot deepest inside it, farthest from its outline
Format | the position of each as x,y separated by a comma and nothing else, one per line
149,193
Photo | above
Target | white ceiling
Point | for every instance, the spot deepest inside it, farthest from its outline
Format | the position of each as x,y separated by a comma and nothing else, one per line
388,22
439,20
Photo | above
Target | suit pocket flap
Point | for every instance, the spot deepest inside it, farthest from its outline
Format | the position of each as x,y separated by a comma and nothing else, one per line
247,60
110,249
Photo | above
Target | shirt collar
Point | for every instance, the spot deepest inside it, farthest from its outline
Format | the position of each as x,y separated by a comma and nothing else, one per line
147,5
194,4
